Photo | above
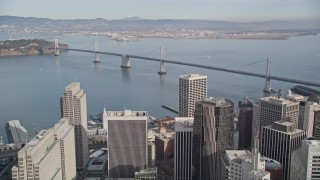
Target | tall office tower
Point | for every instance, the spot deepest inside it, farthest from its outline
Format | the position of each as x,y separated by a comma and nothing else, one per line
307,112
274,109
49,155
183,148
255,120
245,116
212,136
192,87
73,106
279,141
243,164
316,123
127,142
16,132
305,161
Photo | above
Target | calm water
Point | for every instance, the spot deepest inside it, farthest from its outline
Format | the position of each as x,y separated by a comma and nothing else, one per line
32,85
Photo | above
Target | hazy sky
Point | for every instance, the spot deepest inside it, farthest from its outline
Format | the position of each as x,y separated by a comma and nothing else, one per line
161,9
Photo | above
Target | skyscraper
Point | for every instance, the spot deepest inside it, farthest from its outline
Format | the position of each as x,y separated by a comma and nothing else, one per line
73,106
183,148
305,161
192,87
245,116
279,141
212,136
16,132
49,155
127,142
275,109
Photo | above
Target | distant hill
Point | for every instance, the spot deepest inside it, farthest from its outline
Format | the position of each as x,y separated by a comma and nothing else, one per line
136,24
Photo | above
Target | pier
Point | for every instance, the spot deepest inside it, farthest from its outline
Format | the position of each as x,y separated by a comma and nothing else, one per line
169,108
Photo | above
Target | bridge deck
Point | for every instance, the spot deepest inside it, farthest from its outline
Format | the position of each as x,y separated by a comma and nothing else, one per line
278,78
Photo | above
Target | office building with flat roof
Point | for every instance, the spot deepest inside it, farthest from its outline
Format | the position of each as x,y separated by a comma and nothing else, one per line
244,125
279,141
275,109
73,104
192,87
183,148
127,142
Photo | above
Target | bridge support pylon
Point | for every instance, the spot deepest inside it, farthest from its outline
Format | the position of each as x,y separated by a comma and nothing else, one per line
125,61
267,86
56,48
96,49
162,66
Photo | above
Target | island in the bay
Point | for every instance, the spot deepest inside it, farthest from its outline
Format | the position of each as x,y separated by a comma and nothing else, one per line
27,47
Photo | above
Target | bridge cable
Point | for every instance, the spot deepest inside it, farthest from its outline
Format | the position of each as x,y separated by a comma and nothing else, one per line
247,64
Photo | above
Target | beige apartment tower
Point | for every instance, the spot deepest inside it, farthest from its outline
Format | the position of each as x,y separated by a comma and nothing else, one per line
49,155
192,87
273,109
74,107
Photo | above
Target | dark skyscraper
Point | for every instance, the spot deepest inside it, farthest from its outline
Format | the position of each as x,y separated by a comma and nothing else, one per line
245,109
212,135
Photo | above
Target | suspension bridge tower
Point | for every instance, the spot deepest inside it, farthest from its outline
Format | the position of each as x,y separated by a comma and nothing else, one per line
267,86
162,57
96,49
56,48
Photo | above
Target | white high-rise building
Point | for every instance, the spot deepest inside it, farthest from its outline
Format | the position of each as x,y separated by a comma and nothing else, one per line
49,155
305,161
73,106
183,148
127,142
192,87
16,132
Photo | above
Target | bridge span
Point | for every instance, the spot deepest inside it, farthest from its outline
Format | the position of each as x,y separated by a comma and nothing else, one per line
278,78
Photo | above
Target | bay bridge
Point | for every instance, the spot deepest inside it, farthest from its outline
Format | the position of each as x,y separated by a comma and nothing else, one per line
126,63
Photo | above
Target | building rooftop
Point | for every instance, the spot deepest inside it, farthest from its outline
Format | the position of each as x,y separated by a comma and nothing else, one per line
192,76
126,112
312,142
184,124
285,127
277,100
239,155
97,164
259,173
219,102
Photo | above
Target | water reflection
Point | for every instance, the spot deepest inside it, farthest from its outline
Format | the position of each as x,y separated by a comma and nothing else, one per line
125,74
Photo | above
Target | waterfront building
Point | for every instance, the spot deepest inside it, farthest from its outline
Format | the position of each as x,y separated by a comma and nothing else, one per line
16,133
73,104
49,155
212,136
192,87
244,126
305,161
273,109
279,141
127,142
183,148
